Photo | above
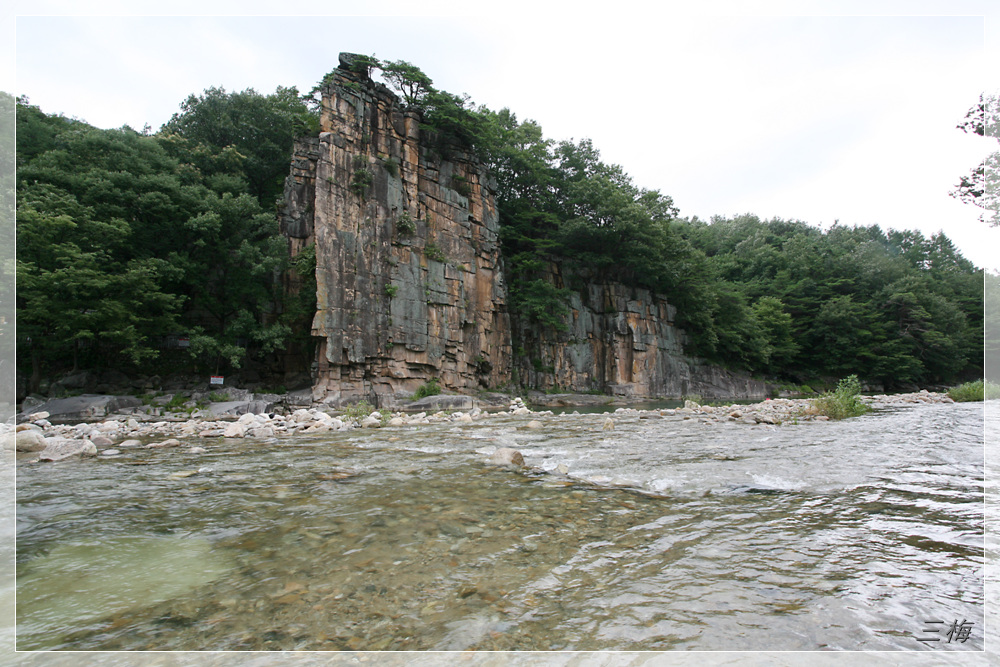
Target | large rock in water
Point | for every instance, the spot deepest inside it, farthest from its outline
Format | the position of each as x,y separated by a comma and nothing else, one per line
60,449
87,406
506,456
30,441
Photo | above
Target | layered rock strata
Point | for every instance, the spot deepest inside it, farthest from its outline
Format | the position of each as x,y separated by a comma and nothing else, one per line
409,284
622,341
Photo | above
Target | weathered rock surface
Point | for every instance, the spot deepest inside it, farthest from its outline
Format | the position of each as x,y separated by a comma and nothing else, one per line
442,402
86,406
239,408
507,456
30,441
409,284
622,341
59,449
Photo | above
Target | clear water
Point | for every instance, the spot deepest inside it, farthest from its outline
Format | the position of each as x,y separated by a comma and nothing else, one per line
660,535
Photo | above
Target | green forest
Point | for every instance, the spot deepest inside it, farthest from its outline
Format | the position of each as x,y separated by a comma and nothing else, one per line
129,241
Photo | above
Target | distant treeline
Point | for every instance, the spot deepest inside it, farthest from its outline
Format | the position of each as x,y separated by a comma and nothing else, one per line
127,238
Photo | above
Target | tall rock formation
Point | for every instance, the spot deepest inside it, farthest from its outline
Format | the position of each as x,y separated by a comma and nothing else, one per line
409,284
409,277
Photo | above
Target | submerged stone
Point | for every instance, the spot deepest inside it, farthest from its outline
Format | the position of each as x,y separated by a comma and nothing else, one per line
507,456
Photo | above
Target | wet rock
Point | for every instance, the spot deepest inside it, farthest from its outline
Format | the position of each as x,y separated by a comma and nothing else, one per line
35,416
262,431
111,452
534,423
371,422
172,442
609,425
234,430
60,449
507,456
197,450
30,441
130,443
101,441
442,402
396,421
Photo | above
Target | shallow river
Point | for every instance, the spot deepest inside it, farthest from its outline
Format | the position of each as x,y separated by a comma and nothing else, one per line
669,534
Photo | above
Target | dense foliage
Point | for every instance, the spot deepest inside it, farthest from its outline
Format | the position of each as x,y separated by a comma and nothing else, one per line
780,298
258,129
128,243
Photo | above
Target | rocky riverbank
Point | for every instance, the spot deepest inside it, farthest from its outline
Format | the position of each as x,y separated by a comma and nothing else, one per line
38,439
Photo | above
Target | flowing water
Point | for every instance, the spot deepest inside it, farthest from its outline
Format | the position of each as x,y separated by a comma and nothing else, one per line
662,534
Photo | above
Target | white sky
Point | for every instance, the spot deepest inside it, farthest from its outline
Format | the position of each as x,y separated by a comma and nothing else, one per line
816,111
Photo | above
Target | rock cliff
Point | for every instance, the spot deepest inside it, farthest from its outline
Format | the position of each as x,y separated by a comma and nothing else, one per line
622,341
410,283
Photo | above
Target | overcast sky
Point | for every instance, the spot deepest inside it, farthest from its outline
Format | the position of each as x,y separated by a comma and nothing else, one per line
846,114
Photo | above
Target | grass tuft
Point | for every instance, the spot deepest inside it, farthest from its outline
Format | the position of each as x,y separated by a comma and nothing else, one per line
974,391
843,402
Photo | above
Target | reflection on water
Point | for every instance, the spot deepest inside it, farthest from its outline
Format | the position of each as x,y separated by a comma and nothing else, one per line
659,535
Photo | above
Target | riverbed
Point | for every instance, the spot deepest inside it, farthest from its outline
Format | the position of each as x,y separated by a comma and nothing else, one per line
659,535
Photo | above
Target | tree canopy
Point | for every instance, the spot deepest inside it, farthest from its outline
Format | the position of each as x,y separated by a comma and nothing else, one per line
127,240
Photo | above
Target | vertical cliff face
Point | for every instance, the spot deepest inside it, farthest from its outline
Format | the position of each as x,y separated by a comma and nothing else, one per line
623,341
409,285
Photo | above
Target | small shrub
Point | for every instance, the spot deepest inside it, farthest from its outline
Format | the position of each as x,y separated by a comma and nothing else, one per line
433,252
970,391
974,391
390,290
429,388
361,181
405,224
176,402
359,410
218,397
391,166
460,184
843,402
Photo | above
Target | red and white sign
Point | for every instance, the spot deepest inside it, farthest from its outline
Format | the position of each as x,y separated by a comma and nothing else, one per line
216,379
